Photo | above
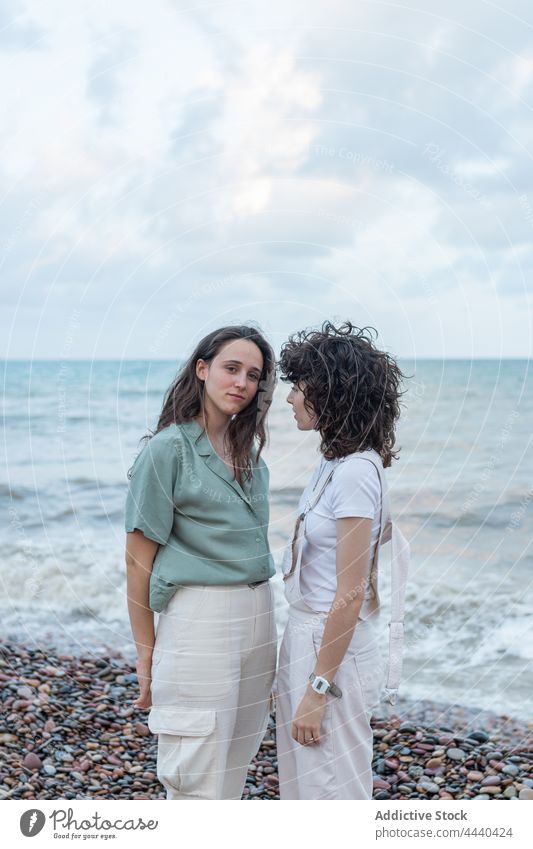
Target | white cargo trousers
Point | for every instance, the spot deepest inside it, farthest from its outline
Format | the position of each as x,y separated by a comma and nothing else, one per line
212,671
340,765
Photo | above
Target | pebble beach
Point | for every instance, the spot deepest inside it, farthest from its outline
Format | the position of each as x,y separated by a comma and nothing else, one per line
69,730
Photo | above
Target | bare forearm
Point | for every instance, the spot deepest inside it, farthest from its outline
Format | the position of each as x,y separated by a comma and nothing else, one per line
140,555
141,616
352,558
338,632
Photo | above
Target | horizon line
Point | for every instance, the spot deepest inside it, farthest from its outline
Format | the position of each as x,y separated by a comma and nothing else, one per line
174,359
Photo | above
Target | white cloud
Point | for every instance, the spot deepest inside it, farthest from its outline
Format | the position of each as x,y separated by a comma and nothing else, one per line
517,74
149,147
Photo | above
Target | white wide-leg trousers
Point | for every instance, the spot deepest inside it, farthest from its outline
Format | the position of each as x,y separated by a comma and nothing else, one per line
340,765
212,671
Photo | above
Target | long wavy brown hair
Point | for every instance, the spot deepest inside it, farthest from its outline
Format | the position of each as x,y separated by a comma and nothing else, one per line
183,399
352,386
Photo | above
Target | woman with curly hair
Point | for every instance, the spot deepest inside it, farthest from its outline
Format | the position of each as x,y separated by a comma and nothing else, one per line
197,553
330,670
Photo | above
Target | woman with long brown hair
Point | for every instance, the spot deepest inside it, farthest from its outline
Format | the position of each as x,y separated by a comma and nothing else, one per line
197,553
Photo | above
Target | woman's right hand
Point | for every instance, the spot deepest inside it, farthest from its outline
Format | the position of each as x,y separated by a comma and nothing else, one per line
144,674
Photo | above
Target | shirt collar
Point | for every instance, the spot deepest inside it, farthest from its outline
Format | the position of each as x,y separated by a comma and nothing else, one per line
203,446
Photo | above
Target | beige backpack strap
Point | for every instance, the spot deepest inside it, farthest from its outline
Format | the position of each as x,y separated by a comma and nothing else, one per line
296,546
400,559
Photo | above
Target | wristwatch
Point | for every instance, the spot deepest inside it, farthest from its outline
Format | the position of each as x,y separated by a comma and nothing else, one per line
321,685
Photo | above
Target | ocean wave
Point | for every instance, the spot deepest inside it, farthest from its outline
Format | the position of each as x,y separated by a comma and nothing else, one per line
289,493
141,393
487,515
96,484
18,493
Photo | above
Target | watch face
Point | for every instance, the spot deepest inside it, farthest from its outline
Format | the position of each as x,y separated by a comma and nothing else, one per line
320,685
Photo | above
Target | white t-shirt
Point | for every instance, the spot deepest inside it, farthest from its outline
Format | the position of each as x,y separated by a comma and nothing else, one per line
354,490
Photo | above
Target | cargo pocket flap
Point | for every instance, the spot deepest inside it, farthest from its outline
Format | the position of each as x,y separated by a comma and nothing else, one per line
190,723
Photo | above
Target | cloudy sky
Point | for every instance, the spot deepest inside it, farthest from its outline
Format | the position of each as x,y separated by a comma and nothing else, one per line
170,167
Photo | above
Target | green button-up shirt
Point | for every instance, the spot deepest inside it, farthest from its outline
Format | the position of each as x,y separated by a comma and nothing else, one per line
211,530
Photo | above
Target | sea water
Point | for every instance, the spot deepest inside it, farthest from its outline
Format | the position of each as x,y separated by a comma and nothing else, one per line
461,490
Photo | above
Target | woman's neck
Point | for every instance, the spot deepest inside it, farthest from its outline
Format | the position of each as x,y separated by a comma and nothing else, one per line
216,429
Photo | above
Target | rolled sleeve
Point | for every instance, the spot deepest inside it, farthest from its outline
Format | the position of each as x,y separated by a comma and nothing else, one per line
151,492
356,491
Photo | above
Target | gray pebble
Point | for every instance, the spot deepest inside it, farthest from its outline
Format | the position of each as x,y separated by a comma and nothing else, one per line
429,786
510,769
455,754
415,771
526,793
480,736
491,781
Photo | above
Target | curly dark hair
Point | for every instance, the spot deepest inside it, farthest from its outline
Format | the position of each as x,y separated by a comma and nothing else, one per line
351,386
